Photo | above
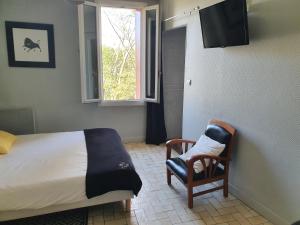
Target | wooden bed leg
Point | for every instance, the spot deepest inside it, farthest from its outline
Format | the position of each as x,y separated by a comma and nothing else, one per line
128,205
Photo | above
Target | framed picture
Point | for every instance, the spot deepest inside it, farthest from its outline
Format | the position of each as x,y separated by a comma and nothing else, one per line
30,44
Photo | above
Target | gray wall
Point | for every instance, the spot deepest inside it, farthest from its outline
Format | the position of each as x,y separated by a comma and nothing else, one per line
173,56
54,94
256,88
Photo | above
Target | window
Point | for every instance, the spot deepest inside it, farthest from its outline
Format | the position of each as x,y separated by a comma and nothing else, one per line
119,53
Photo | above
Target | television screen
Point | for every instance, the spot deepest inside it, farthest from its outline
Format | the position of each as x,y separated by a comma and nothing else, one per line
225,24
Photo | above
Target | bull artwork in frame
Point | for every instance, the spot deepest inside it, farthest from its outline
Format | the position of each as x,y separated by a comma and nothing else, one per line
30,44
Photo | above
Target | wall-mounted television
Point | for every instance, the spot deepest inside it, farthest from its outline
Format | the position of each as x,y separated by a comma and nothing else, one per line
225,24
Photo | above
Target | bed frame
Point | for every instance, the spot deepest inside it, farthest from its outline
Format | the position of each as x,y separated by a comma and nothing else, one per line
114,196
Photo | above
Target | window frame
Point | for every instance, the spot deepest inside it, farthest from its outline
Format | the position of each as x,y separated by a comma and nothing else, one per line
156,99
142,7
82,49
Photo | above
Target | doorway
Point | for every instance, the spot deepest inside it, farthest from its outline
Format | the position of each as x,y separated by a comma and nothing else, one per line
173,57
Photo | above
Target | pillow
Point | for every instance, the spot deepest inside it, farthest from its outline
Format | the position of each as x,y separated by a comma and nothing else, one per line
204,146
6,141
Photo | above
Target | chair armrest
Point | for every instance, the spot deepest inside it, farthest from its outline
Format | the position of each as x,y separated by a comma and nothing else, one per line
208,169
202,157
171,143
179,141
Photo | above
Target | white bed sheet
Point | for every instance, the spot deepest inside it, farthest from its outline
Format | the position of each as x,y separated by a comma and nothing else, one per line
43,170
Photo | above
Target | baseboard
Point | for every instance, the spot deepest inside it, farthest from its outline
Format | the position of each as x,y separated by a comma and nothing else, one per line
133,139
257,206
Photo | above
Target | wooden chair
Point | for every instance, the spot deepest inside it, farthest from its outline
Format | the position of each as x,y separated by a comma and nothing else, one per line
217,168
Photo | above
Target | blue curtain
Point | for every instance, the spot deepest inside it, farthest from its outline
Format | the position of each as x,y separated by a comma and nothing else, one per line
155,128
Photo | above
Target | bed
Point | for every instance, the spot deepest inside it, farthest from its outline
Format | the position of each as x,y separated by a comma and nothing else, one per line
47,173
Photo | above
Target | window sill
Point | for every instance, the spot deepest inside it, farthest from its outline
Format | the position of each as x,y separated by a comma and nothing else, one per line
121,103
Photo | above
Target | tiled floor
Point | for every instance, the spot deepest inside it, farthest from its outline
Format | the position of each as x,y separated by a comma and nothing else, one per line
159,203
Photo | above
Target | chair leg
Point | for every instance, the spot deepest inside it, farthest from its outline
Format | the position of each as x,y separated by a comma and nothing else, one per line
190,197
168,177
225,190
127,205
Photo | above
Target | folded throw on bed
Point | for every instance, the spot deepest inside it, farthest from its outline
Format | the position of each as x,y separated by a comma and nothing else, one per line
109,165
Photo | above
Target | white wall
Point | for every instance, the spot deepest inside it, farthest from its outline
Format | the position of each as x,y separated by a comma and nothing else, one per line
54,94
256,88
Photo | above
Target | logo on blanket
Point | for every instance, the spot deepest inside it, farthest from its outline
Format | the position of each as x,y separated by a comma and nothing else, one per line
124,165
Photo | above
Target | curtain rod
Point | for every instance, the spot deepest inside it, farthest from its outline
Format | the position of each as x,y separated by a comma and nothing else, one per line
204,4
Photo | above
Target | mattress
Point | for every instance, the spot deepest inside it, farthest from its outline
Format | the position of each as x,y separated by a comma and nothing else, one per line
40,168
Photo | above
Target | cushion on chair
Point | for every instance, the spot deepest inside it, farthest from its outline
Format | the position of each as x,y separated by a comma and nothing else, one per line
179,167
220,135
204,146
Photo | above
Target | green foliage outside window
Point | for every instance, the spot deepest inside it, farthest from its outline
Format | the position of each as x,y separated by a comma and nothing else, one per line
119,61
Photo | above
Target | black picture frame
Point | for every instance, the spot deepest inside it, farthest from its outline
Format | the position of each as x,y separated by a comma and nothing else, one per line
29,44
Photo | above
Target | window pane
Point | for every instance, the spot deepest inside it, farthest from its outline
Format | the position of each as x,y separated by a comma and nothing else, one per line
120,34
91,58
150,53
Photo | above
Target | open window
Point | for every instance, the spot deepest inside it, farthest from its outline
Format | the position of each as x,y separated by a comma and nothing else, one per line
119,53
151,47
90,64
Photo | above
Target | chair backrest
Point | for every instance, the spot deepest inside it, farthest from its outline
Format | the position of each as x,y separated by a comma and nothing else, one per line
221,132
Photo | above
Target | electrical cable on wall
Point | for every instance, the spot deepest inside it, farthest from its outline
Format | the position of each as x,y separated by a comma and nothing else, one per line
203,4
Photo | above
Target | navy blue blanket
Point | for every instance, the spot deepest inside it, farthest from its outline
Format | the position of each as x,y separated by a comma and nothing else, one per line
109,165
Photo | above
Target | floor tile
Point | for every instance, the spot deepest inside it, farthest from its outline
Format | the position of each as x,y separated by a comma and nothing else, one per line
160,204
